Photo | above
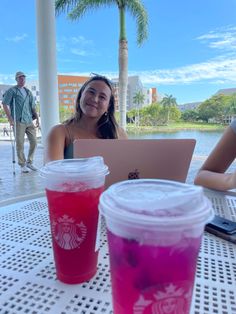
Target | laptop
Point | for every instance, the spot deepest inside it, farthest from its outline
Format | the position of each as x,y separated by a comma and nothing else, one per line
140,158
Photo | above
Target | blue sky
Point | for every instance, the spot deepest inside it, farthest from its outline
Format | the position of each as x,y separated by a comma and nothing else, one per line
190,52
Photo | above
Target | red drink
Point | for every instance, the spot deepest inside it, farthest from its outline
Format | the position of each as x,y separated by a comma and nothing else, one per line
148,279
74,219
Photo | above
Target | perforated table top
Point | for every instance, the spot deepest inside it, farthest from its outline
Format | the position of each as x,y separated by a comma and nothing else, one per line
28,281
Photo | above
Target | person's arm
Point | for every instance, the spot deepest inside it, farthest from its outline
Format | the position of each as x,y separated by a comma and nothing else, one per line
8,114
6,102
212,174
34,112
55,143
33,106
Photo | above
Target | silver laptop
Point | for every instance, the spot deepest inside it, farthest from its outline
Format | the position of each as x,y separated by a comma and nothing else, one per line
135,159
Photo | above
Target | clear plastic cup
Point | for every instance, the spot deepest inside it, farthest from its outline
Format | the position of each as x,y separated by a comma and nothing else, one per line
73,188
154,234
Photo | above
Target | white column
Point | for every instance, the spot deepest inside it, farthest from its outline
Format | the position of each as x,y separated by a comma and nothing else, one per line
48,85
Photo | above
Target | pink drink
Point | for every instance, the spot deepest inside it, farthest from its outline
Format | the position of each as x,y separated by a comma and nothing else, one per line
154,234
74,219
152,279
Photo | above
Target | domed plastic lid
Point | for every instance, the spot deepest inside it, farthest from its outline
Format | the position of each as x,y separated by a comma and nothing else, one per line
72,175
78,167
156,202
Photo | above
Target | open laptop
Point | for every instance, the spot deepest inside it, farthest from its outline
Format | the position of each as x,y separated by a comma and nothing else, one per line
135,158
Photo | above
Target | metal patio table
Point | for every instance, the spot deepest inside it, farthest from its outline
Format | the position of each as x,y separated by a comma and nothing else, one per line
28,281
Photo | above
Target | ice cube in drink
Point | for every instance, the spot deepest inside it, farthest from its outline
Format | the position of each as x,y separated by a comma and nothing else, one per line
152,279
74,219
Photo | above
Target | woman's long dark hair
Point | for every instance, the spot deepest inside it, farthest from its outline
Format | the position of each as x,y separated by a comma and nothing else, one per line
106,125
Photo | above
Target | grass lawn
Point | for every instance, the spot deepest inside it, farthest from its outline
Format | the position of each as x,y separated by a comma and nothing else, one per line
177,126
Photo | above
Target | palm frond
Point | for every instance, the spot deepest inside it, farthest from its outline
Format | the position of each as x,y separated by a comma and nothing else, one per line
64,5
77,8
138,11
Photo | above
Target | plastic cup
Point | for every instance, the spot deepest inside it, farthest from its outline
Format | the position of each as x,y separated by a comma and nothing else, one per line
154,232
73,188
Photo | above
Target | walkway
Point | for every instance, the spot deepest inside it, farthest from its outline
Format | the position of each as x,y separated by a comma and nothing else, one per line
19,184
30,183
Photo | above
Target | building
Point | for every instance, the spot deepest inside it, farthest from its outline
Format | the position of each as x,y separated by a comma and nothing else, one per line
3,89
226,91
134,86
147,92
189,106
194,105
115,85
155,96
34,87
68,87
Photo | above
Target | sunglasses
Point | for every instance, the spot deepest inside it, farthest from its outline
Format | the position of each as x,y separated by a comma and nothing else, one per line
92,74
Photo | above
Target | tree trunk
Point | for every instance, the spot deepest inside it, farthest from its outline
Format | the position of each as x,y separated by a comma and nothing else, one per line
168,115
123,80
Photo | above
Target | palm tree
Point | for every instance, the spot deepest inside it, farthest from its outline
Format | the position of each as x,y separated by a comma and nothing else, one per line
233,104
167,102
77,9
138,99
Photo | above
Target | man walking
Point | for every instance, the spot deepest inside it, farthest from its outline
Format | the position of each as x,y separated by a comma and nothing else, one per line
19,106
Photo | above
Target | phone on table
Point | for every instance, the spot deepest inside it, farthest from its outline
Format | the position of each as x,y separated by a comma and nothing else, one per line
223,228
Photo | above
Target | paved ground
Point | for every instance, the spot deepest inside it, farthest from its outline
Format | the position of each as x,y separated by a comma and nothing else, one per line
18,184
30,183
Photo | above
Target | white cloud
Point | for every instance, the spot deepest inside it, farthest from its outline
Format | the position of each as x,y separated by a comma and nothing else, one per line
17,38
80,52
6,79
60,47
77,45
222,38
78,60
80,40
218,70
221,69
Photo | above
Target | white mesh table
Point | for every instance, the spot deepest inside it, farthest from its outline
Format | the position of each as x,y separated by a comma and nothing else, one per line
28,282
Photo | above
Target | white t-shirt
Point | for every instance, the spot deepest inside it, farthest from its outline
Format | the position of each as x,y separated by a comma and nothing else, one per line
23,92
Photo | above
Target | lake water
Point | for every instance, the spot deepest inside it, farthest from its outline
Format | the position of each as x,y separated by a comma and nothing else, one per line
206,140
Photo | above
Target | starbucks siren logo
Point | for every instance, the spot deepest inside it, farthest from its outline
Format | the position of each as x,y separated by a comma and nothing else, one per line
68,234
172,300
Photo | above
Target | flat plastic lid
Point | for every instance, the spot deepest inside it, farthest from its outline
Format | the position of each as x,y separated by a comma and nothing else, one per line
78,167
155,202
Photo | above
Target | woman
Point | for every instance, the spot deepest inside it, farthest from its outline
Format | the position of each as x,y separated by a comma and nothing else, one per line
94,118
212,174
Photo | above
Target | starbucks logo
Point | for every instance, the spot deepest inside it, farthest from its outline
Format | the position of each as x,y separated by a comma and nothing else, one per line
68,234
170,300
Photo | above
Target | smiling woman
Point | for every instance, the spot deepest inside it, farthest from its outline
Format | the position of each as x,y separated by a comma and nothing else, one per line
93,118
